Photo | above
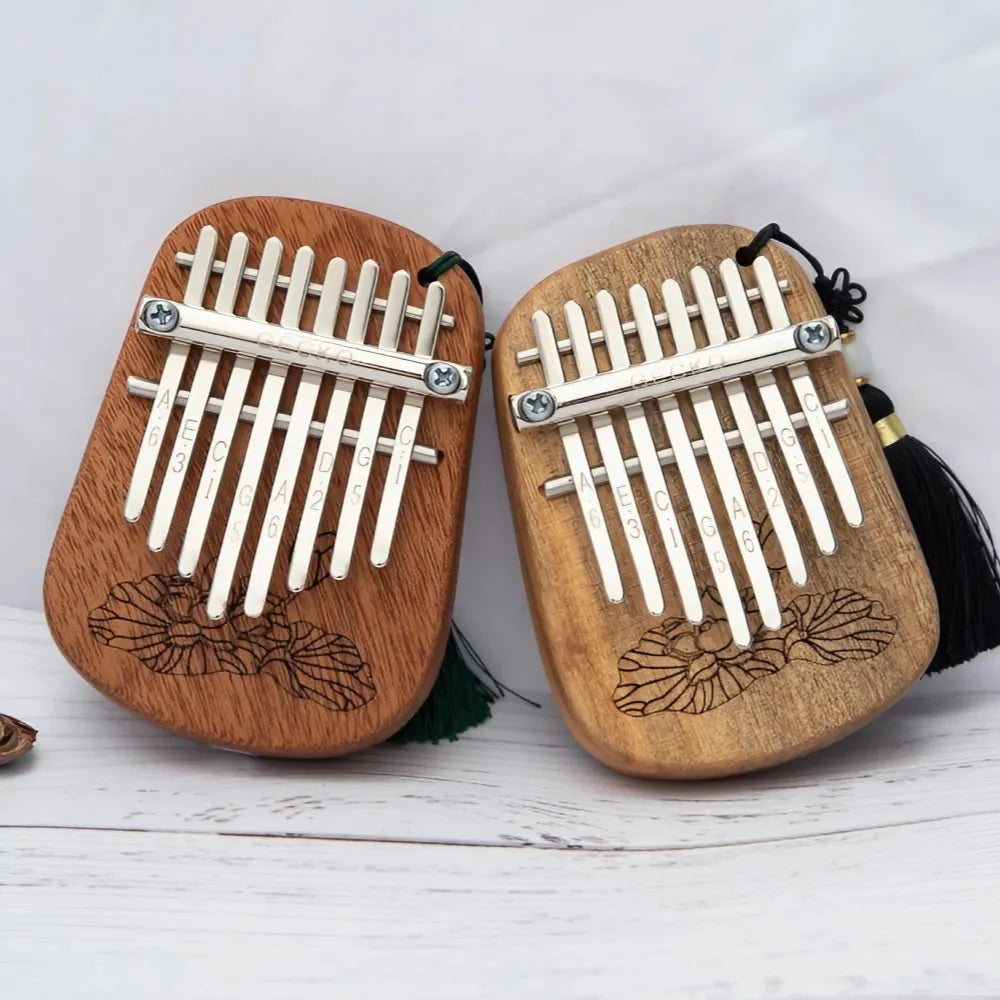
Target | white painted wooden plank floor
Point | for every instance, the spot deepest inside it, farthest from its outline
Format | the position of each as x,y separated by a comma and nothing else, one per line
133,863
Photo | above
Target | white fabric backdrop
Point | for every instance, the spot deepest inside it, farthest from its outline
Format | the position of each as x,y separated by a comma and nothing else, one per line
525,135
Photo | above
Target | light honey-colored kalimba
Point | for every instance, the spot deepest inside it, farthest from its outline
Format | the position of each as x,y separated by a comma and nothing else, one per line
721,572
260,549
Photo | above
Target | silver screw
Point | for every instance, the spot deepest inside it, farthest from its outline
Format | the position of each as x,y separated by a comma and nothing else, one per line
161,316
813,337
537,405
443,378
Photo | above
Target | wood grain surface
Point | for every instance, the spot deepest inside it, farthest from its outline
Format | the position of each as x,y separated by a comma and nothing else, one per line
877,571
111,914
133,862
396,618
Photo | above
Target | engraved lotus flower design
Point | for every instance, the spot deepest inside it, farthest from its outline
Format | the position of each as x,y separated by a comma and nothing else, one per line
680,667
840,625
322,667
161,621
770,545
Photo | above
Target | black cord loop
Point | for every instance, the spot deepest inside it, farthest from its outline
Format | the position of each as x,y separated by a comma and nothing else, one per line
446,262
840,296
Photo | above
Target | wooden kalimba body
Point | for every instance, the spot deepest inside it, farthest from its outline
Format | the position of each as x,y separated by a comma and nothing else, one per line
260,548
721,573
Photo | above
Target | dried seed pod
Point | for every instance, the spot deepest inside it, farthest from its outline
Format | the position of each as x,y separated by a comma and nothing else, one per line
16,738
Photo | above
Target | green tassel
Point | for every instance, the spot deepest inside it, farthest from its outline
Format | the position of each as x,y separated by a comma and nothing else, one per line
461,696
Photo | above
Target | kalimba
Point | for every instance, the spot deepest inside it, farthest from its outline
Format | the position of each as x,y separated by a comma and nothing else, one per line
260,549
721,572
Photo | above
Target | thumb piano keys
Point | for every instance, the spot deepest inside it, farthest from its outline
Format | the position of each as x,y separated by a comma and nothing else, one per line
721,572
260,548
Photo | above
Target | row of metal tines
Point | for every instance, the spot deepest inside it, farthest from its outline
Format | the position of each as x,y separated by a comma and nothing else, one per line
714,440
264,417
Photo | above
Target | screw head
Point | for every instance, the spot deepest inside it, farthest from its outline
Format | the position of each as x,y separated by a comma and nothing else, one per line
161,316
537,405
814,336
443,378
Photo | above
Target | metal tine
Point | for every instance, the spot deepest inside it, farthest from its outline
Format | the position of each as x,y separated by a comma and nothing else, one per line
371,423
229,415
753,444
805,389
635,415
273,525
423,454
257,444
579,466
530,354
560,486
170,379
315,288
607,444
687,466
721,459
777,413
194,408
329,442
656,484
409,420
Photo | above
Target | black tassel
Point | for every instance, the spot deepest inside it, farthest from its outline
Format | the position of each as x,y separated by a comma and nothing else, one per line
956,540
957,543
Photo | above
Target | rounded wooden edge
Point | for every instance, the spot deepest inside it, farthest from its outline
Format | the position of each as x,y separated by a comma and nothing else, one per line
250,748
420,693
657,770
591,737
